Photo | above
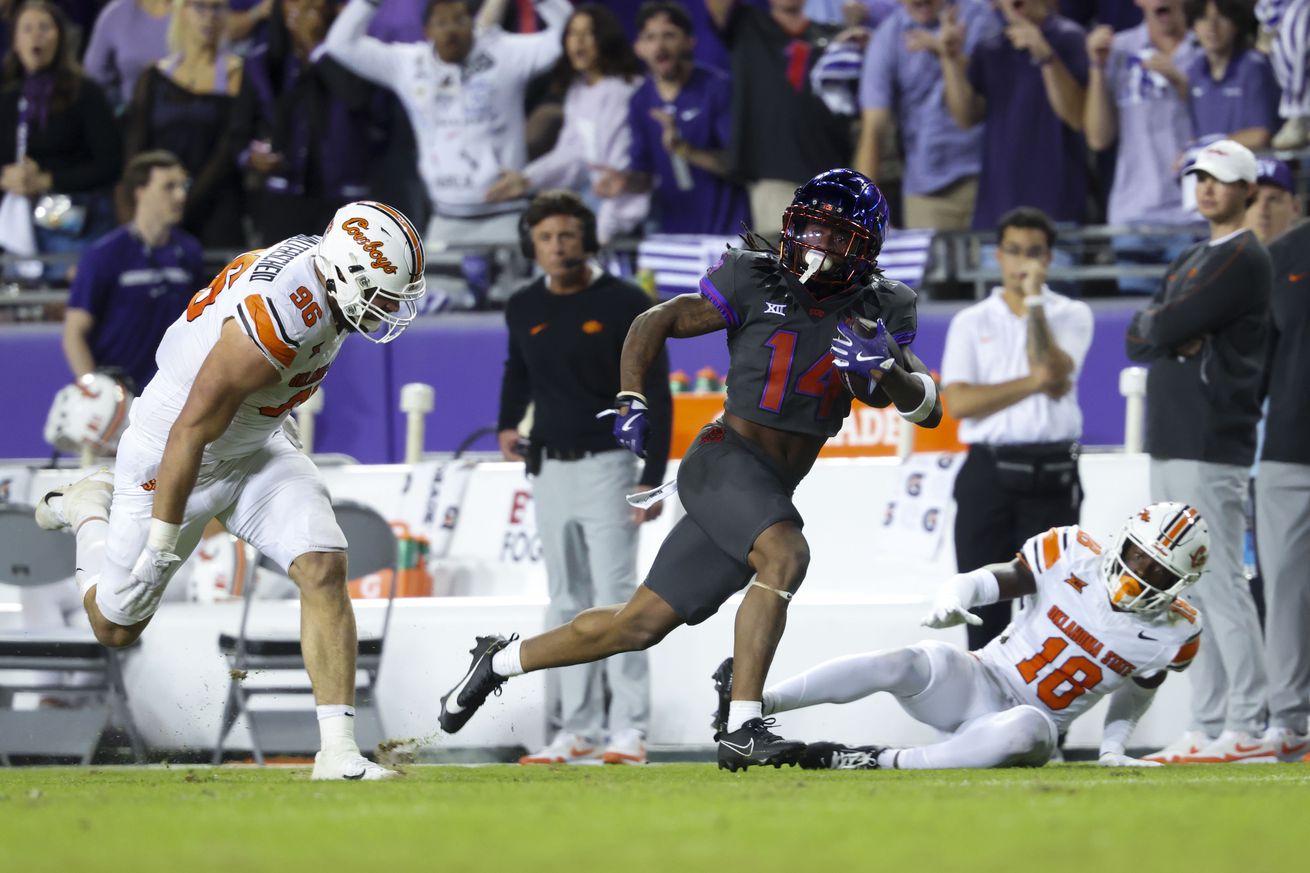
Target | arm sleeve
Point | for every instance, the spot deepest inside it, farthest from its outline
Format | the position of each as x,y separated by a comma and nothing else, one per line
1209,305
719,286
87,291
348,42
1128,704
533,53
959,361
641,157
100,63
1071,46
100,134
1076,337
515,384
876,73
660,402
245,114
1258,81
565,165
902,317
976,71
1139,346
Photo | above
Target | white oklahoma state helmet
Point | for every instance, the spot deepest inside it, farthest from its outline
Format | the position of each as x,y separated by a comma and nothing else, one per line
1176,537
370,254
91,411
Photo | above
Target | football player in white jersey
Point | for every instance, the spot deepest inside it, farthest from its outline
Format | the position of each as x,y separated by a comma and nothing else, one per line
1094,623
206,440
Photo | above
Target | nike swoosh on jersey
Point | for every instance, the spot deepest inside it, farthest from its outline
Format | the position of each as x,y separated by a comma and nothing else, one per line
1143,635
744,751
1296,277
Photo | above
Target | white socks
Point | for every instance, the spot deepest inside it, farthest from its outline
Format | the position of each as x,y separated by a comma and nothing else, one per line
506,662
336,727
92,538
742,711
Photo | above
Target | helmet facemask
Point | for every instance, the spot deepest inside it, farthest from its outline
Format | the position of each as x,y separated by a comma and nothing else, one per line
826,252
1129,589
358,300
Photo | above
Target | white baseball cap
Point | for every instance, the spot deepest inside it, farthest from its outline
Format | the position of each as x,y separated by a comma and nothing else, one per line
1227,161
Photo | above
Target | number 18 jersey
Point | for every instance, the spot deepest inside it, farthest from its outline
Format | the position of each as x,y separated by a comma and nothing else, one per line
277,300
1069,647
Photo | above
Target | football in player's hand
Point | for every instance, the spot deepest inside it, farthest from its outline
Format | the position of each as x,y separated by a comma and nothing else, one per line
859,387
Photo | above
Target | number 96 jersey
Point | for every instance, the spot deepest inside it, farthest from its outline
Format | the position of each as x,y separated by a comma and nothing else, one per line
1068,646
275,297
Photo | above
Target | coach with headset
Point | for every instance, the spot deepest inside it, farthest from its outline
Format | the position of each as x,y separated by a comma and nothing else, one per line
566,332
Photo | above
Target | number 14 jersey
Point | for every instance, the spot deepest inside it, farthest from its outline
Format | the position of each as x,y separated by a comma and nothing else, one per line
275,297
1068,646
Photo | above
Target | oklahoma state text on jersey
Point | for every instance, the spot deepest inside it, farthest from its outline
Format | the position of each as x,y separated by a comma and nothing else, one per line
1069,646
276,298
780,339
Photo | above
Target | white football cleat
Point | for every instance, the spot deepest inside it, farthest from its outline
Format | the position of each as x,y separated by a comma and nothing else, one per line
79,501
1288,744
349,765
1180,749
567,748
625,747
1236,747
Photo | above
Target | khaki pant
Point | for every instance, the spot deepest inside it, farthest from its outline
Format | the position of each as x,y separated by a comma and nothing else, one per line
949,209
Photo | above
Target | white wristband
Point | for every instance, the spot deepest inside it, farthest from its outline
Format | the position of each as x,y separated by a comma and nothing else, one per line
1033,302
977,588
924,409
163,535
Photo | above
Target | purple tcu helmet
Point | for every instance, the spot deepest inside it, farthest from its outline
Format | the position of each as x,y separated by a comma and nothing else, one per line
833,230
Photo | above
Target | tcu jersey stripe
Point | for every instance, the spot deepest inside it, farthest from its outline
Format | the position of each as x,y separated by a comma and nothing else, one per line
710,293
264,333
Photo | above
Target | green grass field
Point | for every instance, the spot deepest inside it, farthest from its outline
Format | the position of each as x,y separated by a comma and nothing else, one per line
670,818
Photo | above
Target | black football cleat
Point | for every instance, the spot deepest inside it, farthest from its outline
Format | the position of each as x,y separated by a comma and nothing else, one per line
460,702
835,756
723,688
753,744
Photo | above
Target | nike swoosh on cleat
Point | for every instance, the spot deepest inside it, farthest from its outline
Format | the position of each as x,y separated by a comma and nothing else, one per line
452,699
1238,747
745,751
1294,750
356,777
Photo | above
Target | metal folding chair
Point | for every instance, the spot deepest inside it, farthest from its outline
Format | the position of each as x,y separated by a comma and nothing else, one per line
372,547
31,557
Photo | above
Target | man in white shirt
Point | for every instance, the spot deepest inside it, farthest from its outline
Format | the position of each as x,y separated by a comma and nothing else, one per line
463,92
1009,372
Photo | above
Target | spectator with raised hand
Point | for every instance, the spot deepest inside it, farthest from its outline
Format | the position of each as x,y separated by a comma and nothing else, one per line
132,283
681,121
600,72
1138,97
184,104
783,133
308,127
1029,78
463,92
901,88
58,139
1233,91
128,38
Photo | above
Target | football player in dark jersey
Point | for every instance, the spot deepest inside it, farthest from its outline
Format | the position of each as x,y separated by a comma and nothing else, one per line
807,324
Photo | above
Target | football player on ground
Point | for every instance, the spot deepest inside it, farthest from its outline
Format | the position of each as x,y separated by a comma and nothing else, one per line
206,440
795,350
1093,623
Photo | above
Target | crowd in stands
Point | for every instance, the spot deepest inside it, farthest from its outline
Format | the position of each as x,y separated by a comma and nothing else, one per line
683,117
